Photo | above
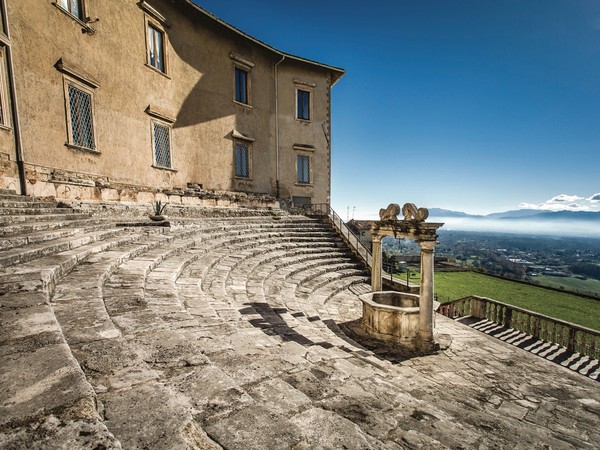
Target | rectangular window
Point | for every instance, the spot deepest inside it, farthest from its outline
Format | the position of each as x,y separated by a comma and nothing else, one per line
2,27
303,105
73,7
80,118
161,136
241,85
303,169
3,95
242,160
156,48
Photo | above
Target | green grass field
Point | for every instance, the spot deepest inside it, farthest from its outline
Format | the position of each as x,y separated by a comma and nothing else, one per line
564,306
570,283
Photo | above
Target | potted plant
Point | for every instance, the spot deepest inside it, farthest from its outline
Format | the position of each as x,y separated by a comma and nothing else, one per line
158,210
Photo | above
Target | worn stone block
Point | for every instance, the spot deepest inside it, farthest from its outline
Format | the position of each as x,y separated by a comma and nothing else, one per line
34,384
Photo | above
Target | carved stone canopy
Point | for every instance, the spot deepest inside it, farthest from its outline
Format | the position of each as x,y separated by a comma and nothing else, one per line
412,227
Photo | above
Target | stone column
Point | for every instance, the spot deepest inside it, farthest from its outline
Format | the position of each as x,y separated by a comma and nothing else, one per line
376,282
426,296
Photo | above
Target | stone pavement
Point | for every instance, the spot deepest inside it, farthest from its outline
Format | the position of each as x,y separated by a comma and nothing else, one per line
241,333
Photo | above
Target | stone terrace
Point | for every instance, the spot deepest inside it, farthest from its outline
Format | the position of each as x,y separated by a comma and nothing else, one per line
240,332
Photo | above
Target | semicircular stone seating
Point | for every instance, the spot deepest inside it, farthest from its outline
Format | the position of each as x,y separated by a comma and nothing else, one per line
219,331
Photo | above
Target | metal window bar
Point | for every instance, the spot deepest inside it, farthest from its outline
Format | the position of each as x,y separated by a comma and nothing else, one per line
303,169
80,108
162,146
242,168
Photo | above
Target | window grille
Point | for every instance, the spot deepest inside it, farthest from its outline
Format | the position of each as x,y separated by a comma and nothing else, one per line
73,7
303,105
156,48
242,168
303,169
80,109
162,145
241,85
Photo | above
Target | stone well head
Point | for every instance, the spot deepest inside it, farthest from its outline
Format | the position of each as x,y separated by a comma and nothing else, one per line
391,316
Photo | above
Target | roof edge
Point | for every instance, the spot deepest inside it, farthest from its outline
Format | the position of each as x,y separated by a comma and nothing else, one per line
336,72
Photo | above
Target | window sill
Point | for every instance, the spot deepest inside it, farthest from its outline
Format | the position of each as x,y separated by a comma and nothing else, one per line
245,105
85,27
169,169
82,149
242,178
154,69
4,38
5,127
306,121
304,184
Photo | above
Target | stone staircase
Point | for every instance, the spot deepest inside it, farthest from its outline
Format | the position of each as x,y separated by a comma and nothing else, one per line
558,354
115,314
217,332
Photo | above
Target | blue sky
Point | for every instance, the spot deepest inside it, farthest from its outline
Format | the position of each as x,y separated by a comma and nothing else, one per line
470,105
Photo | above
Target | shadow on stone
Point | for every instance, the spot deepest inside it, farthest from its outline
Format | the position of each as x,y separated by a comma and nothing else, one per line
272,323
555,354
385,349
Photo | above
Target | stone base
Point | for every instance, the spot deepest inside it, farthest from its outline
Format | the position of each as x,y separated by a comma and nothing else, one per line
71,187
391,316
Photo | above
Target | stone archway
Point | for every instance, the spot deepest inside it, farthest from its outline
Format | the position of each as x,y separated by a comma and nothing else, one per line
414,227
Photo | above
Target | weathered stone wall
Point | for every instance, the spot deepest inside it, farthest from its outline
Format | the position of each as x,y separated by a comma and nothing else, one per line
9,176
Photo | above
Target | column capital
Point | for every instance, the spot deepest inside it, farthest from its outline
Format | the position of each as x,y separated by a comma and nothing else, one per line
427,246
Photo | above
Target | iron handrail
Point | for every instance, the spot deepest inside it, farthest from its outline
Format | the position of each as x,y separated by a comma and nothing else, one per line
359,248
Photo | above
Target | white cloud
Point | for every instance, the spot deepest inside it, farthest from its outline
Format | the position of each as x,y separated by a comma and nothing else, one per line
595,198
566,202
565,198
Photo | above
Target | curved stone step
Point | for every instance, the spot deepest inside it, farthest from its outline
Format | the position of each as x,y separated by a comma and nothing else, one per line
41,274
19,204
33,251
119,374
8,220
34,210
135,356
36,237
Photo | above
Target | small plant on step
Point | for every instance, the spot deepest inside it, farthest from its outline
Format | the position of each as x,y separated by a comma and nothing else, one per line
159,208
157,211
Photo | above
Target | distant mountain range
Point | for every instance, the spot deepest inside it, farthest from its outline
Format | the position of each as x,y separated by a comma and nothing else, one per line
522,214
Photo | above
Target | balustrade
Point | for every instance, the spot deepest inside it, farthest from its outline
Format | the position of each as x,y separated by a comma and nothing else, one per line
574,338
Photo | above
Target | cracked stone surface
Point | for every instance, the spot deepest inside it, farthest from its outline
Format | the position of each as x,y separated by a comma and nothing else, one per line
241,333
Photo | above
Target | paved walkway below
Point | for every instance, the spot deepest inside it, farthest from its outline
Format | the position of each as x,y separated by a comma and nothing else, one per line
243,334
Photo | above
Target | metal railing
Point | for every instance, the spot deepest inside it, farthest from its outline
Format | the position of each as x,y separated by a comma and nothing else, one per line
353,241
574,338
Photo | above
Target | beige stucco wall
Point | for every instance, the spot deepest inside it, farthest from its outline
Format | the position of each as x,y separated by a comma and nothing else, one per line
197,92
312,133
9,178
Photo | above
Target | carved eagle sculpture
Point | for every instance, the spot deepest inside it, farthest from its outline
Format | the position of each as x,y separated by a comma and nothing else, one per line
390,213
411,212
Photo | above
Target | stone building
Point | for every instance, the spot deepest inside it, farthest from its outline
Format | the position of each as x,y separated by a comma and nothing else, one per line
362,230
132,100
